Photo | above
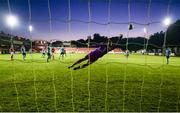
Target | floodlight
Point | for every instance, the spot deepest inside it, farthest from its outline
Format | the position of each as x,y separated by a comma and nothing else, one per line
167,21
30,28
145,30
11,21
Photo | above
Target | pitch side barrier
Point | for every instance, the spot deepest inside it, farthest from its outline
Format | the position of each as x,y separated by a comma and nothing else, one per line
87,50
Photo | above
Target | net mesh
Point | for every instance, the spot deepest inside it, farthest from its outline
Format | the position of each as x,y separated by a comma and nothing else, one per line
31,49
13,67
89,68
73,80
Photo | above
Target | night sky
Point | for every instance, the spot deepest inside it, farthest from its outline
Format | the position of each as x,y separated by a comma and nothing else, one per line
79,11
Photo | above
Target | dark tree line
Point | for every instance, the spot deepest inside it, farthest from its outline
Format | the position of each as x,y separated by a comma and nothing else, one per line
173,34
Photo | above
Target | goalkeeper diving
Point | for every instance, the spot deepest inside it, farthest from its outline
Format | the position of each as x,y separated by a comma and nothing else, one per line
96,54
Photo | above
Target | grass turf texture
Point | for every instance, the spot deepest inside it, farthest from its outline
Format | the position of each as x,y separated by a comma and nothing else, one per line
141,83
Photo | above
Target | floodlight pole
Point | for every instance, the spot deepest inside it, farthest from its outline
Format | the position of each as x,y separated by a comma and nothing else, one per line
11,36
30,33
11,22
145,36
167,23
164,43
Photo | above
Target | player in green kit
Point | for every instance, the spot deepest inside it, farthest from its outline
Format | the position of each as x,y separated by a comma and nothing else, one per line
168,53
23,51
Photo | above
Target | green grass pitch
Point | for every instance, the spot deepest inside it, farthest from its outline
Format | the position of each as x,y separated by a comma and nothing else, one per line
141,83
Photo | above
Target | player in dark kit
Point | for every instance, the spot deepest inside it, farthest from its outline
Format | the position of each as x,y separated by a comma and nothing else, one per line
48,53
11,50
95,55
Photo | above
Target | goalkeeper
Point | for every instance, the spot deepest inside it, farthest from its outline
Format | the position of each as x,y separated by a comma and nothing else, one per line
95,55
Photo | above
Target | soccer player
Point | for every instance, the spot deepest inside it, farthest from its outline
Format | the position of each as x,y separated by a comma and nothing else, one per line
23,51
127,53
94,55
11,50
48,53
53,51
43,53
62,52
168,53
